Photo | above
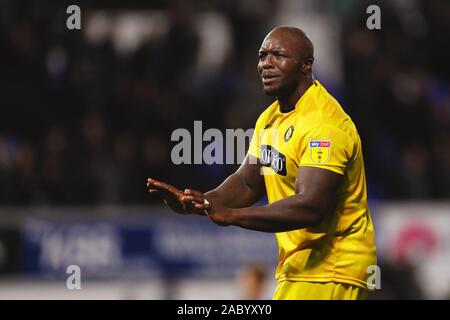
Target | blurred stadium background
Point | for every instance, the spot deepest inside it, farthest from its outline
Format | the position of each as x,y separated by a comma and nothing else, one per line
87,115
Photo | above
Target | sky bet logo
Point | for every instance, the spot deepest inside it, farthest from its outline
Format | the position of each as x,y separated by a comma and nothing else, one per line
319,144
320,150
270,157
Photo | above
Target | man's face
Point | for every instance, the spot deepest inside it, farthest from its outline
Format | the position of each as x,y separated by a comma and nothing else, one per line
279,65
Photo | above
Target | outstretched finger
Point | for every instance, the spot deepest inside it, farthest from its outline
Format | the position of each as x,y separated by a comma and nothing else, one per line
150,181
151,184
168,187
164,187
160,184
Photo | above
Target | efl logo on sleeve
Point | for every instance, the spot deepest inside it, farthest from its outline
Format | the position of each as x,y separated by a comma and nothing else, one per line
320,150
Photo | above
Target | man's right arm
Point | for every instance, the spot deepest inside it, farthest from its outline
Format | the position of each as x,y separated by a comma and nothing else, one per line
241,189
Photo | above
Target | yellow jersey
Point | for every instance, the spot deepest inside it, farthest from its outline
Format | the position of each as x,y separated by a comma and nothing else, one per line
318,133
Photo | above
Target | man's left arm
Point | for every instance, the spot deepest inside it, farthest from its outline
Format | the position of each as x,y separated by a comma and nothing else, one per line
315,198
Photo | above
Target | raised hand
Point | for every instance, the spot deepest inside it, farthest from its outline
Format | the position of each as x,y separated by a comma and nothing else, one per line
187,202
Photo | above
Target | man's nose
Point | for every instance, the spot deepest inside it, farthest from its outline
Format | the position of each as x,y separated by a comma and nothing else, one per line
268,62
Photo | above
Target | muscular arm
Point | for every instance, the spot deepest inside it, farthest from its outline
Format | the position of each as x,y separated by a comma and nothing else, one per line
315,197
241,189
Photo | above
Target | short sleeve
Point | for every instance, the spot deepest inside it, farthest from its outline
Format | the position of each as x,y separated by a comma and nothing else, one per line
325,146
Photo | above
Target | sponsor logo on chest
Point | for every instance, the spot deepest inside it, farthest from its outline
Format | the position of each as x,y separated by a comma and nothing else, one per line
271,157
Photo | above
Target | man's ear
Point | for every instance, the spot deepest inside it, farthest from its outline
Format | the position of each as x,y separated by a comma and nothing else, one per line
307,65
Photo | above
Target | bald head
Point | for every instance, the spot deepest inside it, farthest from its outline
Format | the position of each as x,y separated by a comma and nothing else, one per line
285,63
297,38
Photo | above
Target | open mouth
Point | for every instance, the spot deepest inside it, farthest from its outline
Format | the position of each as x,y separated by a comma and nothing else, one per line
269,78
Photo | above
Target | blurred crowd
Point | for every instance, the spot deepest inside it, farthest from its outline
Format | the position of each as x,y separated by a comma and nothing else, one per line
397,91
85,121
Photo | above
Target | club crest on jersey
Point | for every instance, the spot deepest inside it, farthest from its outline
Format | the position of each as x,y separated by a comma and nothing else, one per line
320,150
288,133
